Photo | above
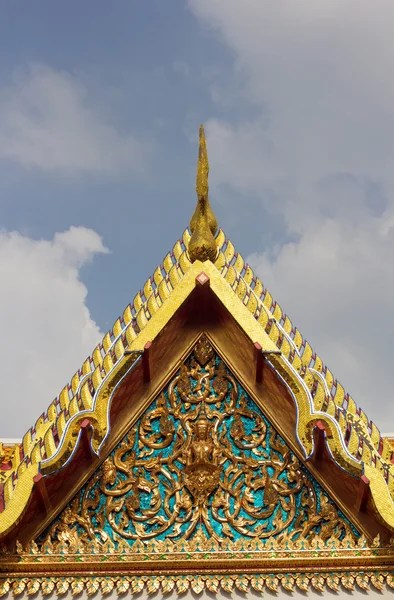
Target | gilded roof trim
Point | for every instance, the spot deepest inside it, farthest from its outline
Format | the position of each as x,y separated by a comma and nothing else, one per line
355,443
199,564
258,582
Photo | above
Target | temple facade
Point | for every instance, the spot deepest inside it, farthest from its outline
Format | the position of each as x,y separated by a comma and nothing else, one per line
203,448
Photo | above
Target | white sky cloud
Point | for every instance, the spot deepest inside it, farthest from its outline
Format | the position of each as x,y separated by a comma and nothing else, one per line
48,122
323,146
44,321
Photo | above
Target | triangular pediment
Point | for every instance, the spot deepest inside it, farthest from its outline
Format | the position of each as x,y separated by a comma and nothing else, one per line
201,468
214,297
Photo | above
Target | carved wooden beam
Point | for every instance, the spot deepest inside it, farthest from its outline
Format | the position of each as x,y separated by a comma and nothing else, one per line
86,437
147,361
363,493
42,492
259,355
319,439
258,362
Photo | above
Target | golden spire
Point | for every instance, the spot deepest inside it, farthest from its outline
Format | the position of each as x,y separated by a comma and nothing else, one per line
203,224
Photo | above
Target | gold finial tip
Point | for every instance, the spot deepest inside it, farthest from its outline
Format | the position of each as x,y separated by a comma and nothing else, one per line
202,166
203,224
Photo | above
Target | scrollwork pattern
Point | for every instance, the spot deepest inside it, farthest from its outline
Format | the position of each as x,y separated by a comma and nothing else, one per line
204,459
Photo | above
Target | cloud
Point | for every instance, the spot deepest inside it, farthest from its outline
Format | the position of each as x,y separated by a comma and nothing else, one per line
48,121
319,151
47,331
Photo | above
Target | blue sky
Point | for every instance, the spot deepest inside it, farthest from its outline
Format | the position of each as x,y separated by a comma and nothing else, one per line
148,69
100,106
126,57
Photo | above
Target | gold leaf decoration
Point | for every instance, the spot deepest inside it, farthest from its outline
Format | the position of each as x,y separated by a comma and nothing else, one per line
377,581
272,583
4,587
288,583
227,584
32,587
390,580
137,585
197,585
347,581
77,586
213,584
257,582
302,582
107,585
47,586
62,586
333,581
242,584
153,584
123,585
19,587
92,586
362,581
167,584
182,585
318,582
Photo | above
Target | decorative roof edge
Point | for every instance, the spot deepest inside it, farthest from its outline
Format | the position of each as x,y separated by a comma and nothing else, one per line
355,443
198,564
287,581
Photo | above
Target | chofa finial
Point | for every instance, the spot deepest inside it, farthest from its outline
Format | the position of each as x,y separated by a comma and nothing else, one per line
202,166
203,224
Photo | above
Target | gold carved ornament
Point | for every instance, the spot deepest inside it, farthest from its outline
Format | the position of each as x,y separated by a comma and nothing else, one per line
203,224
289,582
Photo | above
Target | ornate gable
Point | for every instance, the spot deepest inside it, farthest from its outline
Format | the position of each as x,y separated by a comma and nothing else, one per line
202,463
202,492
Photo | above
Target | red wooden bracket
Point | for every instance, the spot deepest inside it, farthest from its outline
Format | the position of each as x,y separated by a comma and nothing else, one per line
86,437
258,362
202,279
362,493
147,361
319,439
40,486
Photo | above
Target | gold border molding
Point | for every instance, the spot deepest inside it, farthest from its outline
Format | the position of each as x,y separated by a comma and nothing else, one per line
288,582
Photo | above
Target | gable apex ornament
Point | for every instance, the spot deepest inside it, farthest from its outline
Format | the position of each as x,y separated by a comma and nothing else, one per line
203,224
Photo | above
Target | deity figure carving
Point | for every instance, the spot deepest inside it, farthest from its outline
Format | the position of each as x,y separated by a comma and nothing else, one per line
202,470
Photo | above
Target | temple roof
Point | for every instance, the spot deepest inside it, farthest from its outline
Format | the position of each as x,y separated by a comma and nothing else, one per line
353,441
